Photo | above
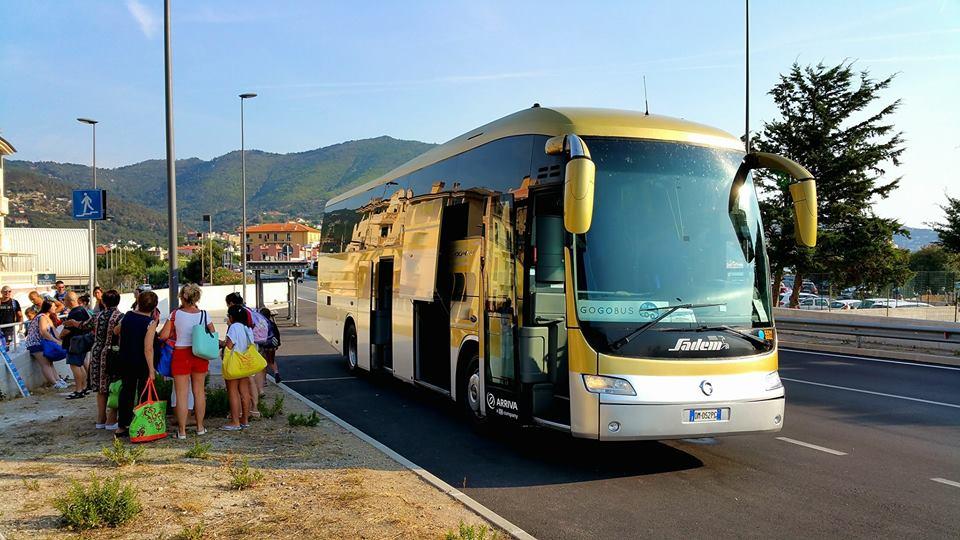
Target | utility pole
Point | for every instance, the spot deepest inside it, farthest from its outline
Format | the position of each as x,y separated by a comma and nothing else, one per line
243,192
91,228
746,120
173,284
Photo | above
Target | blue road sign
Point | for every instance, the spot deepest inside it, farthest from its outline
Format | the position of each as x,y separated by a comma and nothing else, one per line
89,204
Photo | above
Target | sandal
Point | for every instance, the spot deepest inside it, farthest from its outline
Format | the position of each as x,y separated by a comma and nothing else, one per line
76,395
201,432
229,427
181,436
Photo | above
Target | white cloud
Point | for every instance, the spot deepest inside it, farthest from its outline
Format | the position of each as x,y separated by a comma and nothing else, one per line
149,24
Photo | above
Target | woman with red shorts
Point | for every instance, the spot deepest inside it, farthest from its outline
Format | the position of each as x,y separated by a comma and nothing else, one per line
188,370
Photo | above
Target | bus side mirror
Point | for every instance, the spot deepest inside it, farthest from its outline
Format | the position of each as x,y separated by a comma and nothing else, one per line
578,181
803,192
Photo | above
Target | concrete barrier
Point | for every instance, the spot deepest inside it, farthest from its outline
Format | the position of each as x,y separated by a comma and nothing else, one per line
211,299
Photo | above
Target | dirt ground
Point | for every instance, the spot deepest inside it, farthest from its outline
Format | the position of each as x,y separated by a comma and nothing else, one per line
319,482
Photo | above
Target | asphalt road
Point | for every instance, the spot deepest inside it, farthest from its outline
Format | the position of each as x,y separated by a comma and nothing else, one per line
862,444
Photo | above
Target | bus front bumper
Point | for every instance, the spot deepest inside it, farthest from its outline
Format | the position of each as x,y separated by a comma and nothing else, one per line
626,422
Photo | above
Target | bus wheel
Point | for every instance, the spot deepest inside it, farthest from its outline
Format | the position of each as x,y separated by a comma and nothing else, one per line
470,387
352,349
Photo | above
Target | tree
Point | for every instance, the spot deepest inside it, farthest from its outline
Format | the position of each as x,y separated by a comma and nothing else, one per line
949,231
825,126
933,258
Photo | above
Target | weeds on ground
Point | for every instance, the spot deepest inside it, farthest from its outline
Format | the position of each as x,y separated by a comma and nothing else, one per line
100,504
199,450
270,411
310,420
242,476
31,485
218,402
197,532
472,532
121,455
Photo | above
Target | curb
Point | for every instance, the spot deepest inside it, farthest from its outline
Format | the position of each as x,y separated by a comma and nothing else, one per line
476,507
918,358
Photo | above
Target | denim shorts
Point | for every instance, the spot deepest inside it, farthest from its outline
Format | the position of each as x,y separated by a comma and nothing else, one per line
75,359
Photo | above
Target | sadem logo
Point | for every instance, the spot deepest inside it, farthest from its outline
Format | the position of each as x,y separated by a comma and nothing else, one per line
648,310
491,400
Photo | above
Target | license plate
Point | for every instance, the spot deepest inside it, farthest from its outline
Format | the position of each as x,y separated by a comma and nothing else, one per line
707,415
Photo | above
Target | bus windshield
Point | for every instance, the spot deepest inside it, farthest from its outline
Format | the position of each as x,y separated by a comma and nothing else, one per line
662,235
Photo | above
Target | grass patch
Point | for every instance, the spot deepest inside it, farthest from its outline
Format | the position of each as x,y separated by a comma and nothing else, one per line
218,402
242,476
100,504
191,533
310,420
199,450
121,454
31,485
472,532
270,411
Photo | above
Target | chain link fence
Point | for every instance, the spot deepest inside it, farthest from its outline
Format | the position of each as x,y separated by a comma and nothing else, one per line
926,295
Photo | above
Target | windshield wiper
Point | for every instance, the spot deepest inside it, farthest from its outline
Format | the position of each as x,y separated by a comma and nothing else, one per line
757,342
618,344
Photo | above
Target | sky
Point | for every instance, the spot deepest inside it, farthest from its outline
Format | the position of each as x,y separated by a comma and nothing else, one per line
327,72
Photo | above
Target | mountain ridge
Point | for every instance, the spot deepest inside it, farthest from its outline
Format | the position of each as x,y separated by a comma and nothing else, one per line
286,185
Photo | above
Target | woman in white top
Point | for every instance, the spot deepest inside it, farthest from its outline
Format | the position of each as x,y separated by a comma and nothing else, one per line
239,338
188,370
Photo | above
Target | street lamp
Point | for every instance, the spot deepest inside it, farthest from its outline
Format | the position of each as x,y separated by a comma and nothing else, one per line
243,194
90,230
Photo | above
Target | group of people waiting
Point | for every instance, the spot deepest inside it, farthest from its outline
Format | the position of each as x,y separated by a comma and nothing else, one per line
104,345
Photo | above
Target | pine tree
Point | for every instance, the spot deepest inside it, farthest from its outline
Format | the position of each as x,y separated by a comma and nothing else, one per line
825,126
949,231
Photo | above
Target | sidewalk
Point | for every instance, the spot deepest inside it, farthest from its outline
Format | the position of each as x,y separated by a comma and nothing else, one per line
319,482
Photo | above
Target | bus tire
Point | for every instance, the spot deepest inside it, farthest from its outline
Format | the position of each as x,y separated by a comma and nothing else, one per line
351,350
469,390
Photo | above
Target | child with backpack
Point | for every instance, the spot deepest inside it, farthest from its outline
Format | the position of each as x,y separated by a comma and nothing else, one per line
269,348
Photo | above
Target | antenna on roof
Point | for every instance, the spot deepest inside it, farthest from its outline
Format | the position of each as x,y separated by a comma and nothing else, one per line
646,104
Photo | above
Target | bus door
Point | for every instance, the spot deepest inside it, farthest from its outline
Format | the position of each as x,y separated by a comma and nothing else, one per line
498,346
381,314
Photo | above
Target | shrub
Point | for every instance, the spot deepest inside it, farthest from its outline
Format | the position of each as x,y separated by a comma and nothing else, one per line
191,533
242,476
270,411
101,504
164,387
122,454
310,420
218,402
199,450
472,532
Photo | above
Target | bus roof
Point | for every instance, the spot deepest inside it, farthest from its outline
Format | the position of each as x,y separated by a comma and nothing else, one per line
560,121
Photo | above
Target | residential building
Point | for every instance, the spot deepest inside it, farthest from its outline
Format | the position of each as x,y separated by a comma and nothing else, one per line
281,241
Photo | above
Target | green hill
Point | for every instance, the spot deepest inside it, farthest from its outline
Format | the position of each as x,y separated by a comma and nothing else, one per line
284,185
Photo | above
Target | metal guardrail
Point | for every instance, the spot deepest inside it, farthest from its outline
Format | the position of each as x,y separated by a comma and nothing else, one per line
932,333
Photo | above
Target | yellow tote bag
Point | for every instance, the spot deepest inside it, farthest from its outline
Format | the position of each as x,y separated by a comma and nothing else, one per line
237,365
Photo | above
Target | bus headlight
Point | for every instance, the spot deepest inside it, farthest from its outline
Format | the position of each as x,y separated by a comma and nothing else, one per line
772,382
598,384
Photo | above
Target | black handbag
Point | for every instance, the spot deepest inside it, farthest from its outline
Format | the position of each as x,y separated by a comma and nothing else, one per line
81,344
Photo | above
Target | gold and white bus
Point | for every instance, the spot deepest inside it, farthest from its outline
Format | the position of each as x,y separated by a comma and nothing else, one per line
597,271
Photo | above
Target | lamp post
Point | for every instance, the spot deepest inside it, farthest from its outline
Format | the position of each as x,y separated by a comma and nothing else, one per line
173,280
90,227
209,220
243,194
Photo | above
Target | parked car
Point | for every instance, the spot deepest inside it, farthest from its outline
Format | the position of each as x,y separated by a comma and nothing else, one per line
883,303
845,303
814,303
785,298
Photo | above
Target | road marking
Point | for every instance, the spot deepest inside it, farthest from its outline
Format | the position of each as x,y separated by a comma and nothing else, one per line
813,446
947,482
469,502
320,379
307,299
917,364
871,392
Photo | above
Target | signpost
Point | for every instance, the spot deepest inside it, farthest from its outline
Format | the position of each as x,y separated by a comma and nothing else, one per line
90,205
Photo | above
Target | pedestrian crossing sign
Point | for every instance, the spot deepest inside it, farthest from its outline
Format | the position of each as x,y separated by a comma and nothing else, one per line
90,204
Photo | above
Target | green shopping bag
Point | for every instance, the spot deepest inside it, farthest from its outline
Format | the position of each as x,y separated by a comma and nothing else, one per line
113,398
149,417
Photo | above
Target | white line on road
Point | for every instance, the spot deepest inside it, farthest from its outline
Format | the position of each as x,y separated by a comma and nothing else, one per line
871,392
917,364
813,446
307,299
320,379
947,482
